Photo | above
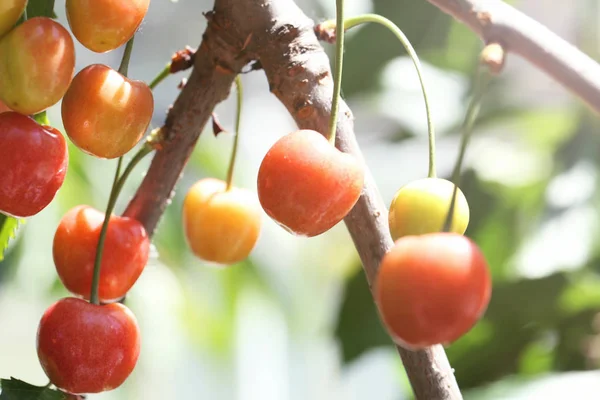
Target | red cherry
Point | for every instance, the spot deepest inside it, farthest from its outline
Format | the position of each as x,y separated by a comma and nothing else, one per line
431,289
33,161
307,185
86,348
125,254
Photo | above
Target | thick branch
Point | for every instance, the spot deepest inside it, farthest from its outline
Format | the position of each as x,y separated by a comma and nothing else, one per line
215,66
299,74
494,20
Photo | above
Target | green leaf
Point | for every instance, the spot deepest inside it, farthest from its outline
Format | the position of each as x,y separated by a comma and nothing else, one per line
40,8
15,389
8,228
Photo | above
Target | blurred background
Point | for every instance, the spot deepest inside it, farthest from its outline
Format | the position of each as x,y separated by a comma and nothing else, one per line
296,320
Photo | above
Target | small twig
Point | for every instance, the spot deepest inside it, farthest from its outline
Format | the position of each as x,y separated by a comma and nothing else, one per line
496,21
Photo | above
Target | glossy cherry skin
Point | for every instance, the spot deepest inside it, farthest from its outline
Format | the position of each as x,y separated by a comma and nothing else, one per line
37,65
306,185
10,12
432,289
422,205
220,226
104,113
33,161
4,107
104,25
87,348
126,251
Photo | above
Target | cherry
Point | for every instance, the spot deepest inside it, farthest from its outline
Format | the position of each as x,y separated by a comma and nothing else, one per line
422,206
10,12
105,113
87,348
33,161
431,289
37,65
104,25
221,226
306,185
125,254
4,107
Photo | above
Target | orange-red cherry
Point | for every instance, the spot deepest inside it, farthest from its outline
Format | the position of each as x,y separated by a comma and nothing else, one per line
307,185
432,289
125,254
33,161
36,66
104,25
86,348
10,11
221,226
106,114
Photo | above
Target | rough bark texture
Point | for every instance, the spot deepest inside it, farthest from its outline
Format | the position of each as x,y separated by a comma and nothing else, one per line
281,38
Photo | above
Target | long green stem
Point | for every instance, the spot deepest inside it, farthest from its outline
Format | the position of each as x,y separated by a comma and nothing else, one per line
378,19
238,119
481,82
339,63
118,183
160,77
124,67
101,239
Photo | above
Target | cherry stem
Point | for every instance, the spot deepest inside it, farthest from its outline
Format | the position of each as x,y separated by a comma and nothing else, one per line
118,183
98,259
481,82
160,77
339,63
238,119
124,67
378,19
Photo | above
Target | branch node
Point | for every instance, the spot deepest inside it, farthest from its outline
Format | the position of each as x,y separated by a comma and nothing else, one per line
493,56
325,32
182,59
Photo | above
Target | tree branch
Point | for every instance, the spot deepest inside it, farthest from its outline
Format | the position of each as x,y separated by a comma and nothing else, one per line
281,38
496,21
216,63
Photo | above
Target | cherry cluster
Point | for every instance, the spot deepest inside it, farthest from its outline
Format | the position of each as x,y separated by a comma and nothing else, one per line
433,285
83,347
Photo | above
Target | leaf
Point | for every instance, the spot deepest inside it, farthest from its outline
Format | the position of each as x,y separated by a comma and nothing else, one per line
8,228
15,389
40,8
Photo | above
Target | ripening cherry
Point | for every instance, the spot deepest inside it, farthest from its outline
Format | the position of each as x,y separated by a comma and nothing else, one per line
37,65
126,251
87,348
432,289
307,185
104,25
106,114
4,107
10,12
33,161
421,207
221,226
